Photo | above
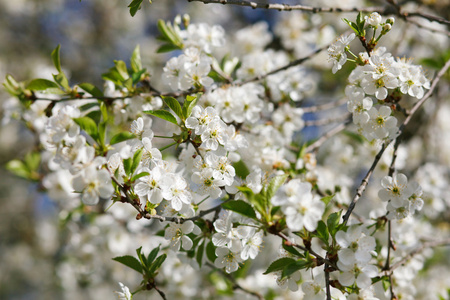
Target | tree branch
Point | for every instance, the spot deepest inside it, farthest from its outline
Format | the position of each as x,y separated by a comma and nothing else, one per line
314,146
286,7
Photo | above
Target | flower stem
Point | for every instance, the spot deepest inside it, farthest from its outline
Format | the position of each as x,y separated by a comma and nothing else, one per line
168,146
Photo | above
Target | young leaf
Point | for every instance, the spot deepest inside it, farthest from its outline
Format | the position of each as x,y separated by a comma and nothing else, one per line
353,26
174,105
322,232
91,89
152,255
137,176
134,6
141,257
56,59
127,165
333,222
129,261
189,104
274,185
157,264
294,267
136,64
121,67
211,252
121,136
165,115
327,199
279,264
240,207
41,85
167,48
18,168
136,160
200,251
62,80
88,125
291,250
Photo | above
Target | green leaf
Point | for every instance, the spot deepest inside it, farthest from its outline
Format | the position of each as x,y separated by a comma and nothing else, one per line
200,251
32,160
91,89
137,176
136,64
62,80
174,105
114,76
18,168
241,169
136,77
167,48
88,125
127,165
134,6
163,114
129,261
121,136
240,207
121,67
12,86
88,106
41,85
136,160
102,133
152,255
141,257
279,264
333,222
56,58
355,136
211,252
294,267
353,26
327,199
189,104
292,250
274,185
157,264
322,232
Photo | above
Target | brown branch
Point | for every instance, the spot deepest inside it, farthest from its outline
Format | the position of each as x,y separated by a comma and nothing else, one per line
161,293
427,16
327,282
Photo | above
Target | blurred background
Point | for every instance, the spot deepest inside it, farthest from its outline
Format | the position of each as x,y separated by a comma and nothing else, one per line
34,239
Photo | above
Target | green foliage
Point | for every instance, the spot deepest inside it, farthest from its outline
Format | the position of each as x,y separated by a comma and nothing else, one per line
241,207
28,168
357,27
189,104
170,36
91,89
41,85
162,114
88,125
130,262
279,264
121,136
174,105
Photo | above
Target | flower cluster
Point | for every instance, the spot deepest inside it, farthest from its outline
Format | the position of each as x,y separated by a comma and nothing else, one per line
403,198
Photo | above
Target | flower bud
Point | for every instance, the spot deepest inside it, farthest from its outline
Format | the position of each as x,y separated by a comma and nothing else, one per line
374,19
186,20
387,28
177,20
390,21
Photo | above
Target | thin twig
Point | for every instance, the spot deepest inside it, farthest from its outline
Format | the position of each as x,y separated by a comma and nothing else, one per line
234,282
161,293
311,251
327,121
289,65
431,244
314,146
286,7
330,105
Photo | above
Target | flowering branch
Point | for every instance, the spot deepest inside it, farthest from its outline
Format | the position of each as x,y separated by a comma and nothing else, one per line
314,146
416,106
